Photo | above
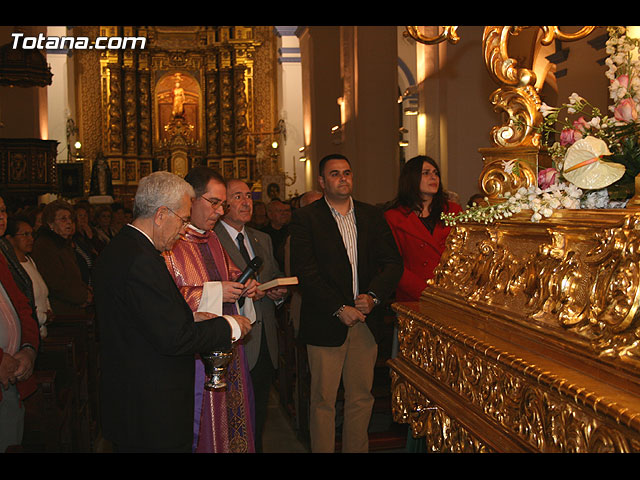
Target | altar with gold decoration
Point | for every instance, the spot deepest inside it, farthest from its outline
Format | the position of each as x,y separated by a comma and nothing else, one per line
527,338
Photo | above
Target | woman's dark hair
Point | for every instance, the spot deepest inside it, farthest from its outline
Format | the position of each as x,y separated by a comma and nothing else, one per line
409,189
13,224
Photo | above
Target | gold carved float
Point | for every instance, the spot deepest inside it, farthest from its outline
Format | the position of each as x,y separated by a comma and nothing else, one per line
527,339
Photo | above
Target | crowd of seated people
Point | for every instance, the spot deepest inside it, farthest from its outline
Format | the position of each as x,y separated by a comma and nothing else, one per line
50,251
56,246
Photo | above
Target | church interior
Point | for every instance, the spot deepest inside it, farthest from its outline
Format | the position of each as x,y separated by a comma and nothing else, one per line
526,339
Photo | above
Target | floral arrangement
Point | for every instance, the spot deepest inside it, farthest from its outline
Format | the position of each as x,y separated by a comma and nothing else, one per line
595,158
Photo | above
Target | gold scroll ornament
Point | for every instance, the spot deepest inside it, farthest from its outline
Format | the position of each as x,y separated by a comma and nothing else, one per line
516,97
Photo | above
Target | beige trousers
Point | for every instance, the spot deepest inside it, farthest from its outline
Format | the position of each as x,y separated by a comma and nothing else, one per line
354,362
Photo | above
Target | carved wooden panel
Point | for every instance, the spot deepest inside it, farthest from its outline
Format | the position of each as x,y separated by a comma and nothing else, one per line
27,166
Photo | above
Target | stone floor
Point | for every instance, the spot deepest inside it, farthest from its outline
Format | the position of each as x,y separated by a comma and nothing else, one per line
279,435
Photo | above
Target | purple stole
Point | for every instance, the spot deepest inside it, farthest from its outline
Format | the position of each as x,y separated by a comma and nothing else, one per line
223,421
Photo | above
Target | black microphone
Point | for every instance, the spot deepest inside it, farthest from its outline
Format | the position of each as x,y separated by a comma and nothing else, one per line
252,268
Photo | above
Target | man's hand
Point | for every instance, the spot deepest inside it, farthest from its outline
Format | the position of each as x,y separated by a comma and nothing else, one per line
231,291
364,303
259,294
243,322
351,315
277,293
250,288
26,358
245,325
8,367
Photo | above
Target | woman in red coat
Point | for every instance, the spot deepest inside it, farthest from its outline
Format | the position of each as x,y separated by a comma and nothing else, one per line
415,221
420,234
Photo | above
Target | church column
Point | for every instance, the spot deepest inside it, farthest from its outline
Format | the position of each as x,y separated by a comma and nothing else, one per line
290,108
432,117
320,60
370,123
358,95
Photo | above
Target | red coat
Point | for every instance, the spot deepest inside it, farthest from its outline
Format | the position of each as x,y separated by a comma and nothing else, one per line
420,249
29,325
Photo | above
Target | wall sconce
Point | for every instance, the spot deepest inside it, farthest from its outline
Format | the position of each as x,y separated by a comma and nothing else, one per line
402,142
336,134
303,158
410,96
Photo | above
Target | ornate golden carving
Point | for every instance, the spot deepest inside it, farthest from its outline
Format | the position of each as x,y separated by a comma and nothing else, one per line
551,33
441,432
517,96
521,105
495,181
220,62
535,410
448,34
584,280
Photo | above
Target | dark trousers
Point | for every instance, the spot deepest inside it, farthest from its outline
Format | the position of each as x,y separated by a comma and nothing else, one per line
262,378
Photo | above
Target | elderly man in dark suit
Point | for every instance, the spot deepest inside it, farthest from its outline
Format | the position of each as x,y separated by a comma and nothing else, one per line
148,333
261,345
347,262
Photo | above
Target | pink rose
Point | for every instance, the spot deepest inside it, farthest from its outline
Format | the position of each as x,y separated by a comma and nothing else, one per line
568,136
547,177
626,111
623,80
580,125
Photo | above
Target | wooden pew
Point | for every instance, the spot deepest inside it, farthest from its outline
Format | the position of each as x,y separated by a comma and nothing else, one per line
47,427
82,329
60,354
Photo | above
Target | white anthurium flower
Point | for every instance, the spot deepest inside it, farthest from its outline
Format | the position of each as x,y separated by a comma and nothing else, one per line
584,167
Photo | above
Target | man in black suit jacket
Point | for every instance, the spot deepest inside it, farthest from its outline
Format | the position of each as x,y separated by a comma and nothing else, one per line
148,334
261,345
347,262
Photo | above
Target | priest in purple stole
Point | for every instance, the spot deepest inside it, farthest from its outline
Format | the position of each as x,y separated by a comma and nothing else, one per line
202,270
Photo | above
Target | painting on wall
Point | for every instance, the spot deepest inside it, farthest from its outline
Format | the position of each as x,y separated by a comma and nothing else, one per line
272,187
70,179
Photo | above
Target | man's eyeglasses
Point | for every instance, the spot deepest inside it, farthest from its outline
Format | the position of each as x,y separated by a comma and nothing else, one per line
216,202
25,234
185,221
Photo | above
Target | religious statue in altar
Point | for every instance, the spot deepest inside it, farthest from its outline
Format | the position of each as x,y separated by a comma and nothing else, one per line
178,100
100,177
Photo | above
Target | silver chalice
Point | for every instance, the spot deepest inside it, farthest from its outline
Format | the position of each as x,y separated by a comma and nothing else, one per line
215,368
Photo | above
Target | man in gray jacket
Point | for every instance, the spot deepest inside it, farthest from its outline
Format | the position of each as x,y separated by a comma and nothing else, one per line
261,345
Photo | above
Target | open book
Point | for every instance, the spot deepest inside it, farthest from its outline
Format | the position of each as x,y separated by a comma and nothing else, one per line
278,282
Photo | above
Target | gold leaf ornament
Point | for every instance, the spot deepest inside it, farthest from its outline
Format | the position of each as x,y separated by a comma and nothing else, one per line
585,168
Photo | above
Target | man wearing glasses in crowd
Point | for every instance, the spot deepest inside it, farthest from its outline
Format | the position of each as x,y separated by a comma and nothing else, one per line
148,334
206,278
